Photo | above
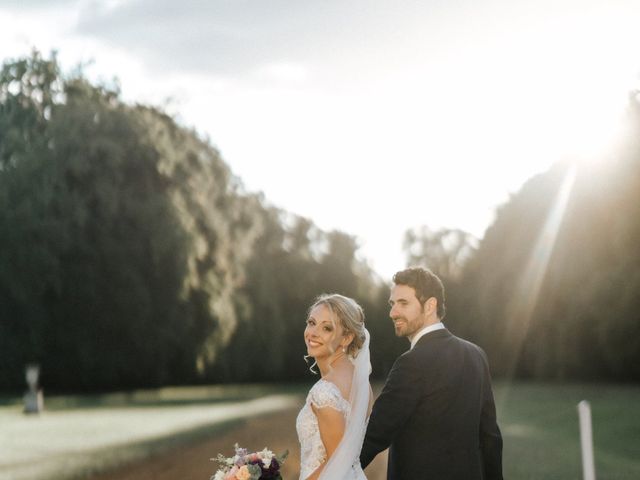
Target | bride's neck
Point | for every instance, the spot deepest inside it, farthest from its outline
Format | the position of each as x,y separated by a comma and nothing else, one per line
327,364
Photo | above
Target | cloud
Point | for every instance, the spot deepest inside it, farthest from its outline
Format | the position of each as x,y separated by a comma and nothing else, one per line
30,4
223,37
238,37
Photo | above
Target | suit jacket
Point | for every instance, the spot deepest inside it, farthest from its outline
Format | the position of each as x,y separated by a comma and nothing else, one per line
437,415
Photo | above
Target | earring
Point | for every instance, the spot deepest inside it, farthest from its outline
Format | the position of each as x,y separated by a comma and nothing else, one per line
344,350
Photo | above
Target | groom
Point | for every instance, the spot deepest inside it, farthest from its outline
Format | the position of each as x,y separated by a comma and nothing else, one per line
436,412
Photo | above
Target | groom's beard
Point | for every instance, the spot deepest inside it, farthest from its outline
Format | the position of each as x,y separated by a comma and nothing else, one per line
407,328
403,327
399,326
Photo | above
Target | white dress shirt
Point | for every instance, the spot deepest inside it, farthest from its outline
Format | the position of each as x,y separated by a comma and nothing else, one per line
424,331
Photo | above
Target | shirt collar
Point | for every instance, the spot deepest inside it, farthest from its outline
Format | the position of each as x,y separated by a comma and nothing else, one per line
425,330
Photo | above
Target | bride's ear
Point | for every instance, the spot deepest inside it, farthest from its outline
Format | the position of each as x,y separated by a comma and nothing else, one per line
348,340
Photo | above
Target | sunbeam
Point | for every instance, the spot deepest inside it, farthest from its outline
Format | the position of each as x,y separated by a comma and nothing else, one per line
523,303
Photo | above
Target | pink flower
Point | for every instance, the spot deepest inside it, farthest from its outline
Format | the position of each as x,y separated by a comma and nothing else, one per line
232,473
243,473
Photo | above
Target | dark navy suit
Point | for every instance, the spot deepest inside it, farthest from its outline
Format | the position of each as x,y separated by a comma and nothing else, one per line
437,415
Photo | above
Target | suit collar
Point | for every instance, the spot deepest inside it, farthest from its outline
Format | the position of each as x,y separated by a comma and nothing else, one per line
442,333
425,331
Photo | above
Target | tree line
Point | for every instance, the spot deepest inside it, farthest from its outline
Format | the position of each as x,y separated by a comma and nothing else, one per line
131,256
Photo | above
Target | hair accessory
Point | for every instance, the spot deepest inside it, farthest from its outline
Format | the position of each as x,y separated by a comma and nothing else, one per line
307,362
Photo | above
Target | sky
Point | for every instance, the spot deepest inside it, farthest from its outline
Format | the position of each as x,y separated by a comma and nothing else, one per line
367,116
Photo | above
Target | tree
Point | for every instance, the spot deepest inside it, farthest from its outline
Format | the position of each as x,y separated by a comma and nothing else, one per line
123,237
445,251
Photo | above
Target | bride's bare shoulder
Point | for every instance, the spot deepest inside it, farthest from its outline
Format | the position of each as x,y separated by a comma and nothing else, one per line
341,378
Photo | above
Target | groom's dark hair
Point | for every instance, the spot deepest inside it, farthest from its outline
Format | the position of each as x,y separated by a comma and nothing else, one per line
425,283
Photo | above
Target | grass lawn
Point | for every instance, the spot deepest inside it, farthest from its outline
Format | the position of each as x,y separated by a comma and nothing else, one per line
542,437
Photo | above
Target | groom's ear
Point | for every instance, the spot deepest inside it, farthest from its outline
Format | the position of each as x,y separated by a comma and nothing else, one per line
432,304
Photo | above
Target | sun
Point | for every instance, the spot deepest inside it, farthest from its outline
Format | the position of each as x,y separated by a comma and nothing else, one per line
593,126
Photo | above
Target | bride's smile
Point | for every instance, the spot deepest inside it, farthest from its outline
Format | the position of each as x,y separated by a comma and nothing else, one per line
322,336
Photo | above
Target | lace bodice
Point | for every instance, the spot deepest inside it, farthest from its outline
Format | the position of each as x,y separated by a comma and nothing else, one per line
312,451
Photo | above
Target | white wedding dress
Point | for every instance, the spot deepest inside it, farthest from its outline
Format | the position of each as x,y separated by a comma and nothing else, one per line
344,463
312,452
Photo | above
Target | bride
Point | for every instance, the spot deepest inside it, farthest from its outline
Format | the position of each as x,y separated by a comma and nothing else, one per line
332,423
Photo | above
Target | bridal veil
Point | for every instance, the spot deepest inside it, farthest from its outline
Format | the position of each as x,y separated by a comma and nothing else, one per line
347,454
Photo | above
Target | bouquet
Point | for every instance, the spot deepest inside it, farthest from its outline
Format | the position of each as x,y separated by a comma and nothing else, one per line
243,465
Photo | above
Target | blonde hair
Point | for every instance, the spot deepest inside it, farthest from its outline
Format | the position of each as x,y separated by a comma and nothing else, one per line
350,315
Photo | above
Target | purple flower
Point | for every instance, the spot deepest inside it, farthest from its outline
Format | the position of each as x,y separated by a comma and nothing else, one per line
268,473
241,452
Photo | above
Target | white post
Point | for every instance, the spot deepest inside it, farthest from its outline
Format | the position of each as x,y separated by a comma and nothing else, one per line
33,402
586,441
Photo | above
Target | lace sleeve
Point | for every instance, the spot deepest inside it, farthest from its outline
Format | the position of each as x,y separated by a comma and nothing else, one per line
326,394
